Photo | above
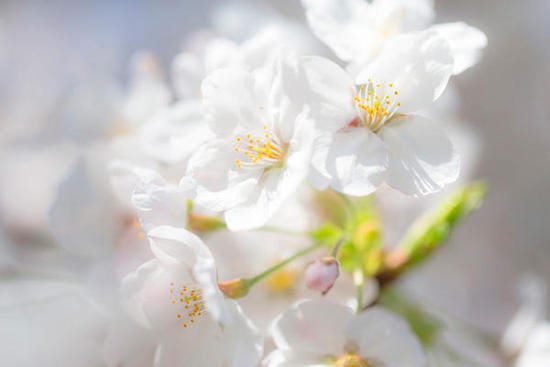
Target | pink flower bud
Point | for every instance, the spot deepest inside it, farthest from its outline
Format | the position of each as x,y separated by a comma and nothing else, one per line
321,274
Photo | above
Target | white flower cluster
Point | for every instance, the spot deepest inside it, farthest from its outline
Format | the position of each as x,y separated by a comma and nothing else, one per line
238,152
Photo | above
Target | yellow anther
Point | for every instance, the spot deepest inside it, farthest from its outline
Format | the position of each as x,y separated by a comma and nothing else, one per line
264,149
373,107
195,296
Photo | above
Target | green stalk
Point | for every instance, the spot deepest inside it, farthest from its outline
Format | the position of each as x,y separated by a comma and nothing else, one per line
359,280
255,279
349,204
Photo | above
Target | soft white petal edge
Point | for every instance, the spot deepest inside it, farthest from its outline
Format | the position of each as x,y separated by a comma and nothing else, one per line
466,43
312,326
422,159
383,336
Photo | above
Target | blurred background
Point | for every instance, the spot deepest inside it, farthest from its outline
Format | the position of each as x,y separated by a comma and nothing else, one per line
64,63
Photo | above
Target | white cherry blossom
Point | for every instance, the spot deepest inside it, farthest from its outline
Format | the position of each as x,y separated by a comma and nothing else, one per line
532,312
190,67
175,296
374,134
262,148
320,333
536,352
49,323
358,30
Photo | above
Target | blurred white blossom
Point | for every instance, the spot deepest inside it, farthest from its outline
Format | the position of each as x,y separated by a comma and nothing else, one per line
322,333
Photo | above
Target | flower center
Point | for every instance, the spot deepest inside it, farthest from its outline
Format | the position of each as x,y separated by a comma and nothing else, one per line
137,227
259,151
350,360
188,302
375,104
282,281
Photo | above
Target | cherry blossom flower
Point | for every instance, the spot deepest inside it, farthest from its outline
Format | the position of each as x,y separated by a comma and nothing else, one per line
50,323
536,352
262,148
531,313
176,297
358,30
374,134
190,67
321,333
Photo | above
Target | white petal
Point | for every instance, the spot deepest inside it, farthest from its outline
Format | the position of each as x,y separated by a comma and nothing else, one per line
263,48
536,352
188,70
219,52
83,199
276,184
192,346
312,326
342,24
208,344
133,295
466,43
128,344
331,93
175,133
179,246
278,358
49,323
219,185
242,339
232,98
356,161
418,64
402,15
319,177
175,246
422,159
286,96
158,202
385,338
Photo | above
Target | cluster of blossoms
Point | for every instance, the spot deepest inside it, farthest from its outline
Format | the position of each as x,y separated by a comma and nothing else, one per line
235,217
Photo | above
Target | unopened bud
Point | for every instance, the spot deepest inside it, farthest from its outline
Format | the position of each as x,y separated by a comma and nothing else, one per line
321,274
235,288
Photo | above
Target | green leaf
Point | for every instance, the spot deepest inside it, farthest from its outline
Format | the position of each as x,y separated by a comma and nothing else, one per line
434,227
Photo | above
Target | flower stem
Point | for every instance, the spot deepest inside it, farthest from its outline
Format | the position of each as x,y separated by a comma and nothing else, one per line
255,279
337,246
359,280
349,204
